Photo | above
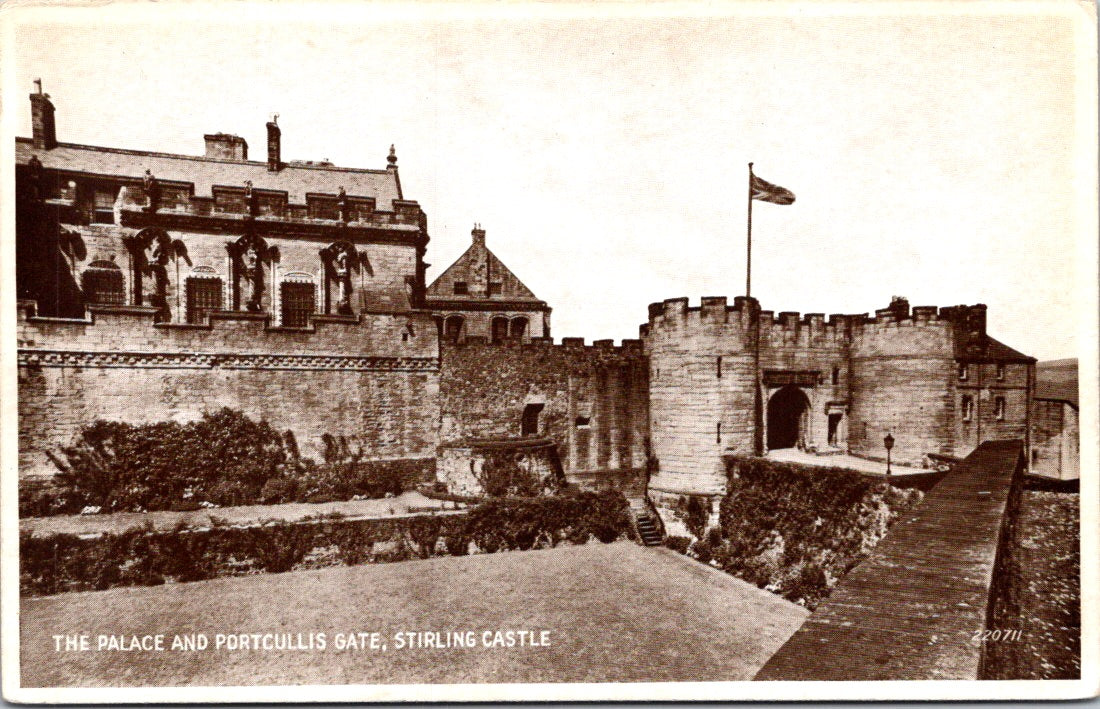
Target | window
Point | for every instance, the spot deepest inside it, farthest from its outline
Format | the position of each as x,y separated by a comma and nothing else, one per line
299,302
530,423
583,422
836,376
1000,371
461,288
203,295
102,283
104,210
999,408
452,328
519,328
967,407
718,372
500,329
964,372
495,288
719,433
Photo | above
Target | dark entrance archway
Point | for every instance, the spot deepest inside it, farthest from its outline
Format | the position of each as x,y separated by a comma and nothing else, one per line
787,415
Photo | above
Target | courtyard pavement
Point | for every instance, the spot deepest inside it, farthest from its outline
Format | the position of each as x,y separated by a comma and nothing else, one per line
598,612
843,460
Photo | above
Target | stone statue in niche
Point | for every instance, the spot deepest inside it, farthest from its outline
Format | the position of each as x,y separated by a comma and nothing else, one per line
158,268
341,266
340,260
254,276
248,255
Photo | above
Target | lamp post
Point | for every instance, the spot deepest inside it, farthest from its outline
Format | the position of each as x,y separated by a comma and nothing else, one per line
889,443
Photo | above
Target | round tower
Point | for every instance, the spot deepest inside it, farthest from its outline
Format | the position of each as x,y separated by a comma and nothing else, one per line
902,383
702,388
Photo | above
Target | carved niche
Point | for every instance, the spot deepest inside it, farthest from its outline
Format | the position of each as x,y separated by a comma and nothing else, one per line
248,257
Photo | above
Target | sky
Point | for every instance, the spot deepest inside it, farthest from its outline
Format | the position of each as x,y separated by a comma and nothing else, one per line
604,148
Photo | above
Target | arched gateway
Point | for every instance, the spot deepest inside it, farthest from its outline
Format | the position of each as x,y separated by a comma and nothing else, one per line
788,416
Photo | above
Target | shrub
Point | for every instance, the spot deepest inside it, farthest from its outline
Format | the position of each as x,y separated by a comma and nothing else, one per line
678,544
794,529
277,490
225,458
457,541
695,513
701,550
424,532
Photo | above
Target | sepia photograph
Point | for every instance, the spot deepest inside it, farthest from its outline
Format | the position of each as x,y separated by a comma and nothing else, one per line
395,351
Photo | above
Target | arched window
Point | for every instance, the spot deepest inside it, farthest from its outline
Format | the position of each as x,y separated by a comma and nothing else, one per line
204,293
518,328
102,283
452,328
500,329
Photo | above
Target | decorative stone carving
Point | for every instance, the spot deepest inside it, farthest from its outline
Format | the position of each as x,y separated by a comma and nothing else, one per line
249,254
340,259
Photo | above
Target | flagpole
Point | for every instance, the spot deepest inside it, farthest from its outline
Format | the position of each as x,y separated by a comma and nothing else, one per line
748,243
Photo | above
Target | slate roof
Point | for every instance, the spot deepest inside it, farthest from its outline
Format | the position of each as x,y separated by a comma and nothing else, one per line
477,266
1000,352
1057,381
294,179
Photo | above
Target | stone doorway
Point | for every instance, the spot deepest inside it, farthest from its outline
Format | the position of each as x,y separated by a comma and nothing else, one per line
788,418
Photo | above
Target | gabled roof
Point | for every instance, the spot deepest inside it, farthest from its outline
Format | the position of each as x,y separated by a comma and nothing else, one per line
294,179
477,267
1057,381
998,351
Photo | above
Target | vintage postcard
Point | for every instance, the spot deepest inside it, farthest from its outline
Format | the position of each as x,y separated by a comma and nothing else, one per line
393,351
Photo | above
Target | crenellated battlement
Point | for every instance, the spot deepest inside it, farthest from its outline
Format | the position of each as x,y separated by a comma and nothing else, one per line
627,348
678,313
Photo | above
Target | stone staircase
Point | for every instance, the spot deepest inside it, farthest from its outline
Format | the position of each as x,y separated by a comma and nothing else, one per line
649,527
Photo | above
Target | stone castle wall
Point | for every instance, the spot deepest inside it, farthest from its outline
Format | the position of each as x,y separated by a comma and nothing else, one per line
118,365
593,399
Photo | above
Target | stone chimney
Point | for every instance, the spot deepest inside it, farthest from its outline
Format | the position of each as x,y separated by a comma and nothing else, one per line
226,146
42,125
274,145
479,236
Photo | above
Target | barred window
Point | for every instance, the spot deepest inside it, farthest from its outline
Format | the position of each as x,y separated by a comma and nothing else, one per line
102,283
299,302
203,295
495,288
461,288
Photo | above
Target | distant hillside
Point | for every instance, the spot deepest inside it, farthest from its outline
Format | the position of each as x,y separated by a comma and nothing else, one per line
1057,379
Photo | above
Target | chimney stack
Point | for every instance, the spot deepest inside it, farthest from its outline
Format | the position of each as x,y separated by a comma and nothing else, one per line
274,145
42,125
226,146
479,235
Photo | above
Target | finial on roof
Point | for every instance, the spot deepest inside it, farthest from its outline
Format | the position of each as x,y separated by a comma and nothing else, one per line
275,118
392,159
38,85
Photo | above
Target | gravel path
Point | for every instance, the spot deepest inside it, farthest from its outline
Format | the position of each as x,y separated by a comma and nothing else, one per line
405,503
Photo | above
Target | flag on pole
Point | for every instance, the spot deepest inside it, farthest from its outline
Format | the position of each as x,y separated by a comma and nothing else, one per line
767,192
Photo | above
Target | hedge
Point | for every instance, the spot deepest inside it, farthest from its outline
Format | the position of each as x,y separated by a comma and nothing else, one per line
225,458
144,557
796,529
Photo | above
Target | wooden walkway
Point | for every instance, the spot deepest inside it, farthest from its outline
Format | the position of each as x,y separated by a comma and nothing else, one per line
911,610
